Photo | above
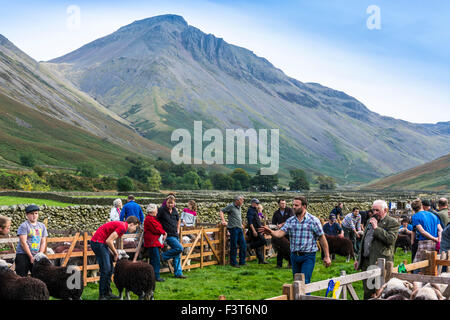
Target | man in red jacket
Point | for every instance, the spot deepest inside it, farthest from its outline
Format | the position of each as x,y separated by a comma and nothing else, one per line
154,236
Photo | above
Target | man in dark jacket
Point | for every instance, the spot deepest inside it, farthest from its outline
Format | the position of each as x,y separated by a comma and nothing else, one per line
256,239
279,218
282,214
337,211
378,241
170,221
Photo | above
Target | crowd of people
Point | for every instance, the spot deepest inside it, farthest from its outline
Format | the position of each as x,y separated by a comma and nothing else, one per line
373,234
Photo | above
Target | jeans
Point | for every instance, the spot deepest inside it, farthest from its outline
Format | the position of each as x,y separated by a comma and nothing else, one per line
105,262
174,253
237,238
303,264
153,253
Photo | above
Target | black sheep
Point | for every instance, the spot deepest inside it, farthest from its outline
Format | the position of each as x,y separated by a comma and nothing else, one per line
57,279
403,241
282,247
14,287
340,246
137,277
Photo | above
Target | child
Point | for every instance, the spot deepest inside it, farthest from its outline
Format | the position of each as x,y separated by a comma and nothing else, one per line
261,215
102,242
5,225
33,239
153,240
189,214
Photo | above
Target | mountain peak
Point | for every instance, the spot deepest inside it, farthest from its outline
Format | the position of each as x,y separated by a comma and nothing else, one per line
169,19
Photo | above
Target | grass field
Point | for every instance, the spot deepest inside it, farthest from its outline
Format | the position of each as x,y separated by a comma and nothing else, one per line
9,201
251,282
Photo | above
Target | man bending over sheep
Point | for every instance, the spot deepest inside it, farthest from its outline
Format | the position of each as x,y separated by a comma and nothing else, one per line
304,229
102,243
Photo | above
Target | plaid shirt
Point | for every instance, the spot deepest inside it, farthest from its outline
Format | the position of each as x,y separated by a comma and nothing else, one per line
303,236
351,222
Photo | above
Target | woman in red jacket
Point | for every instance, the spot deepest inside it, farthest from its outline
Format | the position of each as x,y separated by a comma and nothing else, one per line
154,236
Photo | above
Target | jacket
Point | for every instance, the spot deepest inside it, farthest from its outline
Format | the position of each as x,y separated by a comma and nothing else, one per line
152,231
131,209
383,243
278,218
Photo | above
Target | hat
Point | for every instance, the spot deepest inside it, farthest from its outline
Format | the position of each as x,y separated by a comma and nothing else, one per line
31,208
332,217
255,201
426,203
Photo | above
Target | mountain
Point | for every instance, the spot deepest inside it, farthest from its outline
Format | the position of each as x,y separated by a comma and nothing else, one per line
46,115
434,175
160,74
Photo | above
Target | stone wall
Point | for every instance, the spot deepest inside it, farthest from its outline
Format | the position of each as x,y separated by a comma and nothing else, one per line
89,218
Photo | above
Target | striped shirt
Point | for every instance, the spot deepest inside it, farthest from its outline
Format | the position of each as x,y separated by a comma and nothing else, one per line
352,222
303,235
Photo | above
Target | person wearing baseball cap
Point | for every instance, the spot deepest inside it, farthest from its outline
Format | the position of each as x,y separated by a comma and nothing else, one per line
332,228
32,240
256,239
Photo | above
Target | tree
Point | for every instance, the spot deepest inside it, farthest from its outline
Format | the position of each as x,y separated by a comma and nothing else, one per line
222,181
192,179
326,183
144,172
264,182
242,176
27,160
299,180
87,170
125,184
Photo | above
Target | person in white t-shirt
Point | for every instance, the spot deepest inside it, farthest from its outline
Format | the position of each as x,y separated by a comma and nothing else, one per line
115,210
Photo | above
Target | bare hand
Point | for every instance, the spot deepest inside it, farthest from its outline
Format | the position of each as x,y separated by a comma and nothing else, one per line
356,265
327,261
115,256
255,234
224,223
374,223
265,229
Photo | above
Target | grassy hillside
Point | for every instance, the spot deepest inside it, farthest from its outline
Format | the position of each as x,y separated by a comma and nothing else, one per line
434,175
53,142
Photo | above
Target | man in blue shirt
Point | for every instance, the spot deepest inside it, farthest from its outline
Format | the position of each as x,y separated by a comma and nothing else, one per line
332,228
429,230
131,208
304,230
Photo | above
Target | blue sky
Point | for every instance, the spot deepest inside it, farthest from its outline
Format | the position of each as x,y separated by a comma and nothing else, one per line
401,70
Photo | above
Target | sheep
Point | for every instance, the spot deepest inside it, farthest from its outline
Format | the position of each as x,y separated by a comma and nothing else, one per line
14,287
138,277
403,241
395,289
282,247
57,279
340,246
427,293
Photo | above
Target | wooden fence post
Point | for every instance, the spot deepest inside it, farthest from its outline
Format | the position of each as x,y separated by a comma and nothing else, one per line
288,290
344,288
85,246
224,244
72,246
432,268
299,286
381,263
201,248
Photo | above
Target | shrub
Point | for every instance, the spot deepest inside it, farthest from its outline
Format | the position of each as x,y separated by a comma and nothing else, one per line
125,184
39,171
27,160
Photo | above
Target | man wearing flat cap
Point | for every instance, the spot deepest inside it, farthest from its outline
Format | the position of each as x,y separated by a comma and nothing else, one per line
256,239
32,240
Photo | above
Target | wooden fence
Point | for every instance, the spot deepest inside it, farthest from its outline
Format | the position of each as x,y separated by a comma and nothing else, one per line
208,247
431,267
